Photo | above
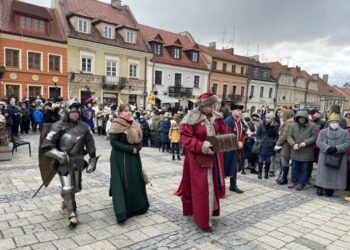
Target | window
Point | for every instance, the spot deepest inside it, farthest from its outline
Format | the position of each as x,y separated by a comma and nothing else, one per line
84,95
157,48
107,32
233,68
130,37
261,91
176,53
54,63
265,73
34,91
196,82
32,24
83,26
86,64
242,90
195,57
178,79
215,88
158,78
234,89
12,58
224,92
133,70
255,72
132,99
270,92
13,91
224,67
54,92
242,70
111,67
34,61
252,91
215,64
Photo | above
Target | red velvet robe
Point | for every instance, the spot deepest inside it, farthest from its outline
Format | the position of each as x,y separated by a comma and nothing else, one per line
196,181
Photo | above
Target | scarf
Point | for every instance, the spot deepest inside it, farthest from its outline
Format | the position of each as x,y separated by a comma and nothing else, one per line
129,127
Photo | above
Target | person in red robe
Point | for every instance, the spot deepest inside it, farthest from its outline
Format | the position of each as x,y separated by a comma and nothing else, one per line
202,180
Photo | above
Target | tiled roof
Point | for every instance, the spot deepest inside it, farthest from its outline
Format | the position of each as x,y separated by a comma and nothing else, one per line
99,10
326,89
104,12
171,39
221,54
8,9
345,90
277,69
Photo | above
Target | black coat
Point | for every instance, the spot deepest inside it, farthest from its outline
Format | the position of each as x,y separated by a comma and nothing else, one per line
268,134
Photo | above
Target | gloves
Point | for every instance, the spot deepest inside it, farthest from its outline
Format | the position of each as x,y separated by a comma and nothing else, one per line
331,150
92,165
205,147
277,148
60,156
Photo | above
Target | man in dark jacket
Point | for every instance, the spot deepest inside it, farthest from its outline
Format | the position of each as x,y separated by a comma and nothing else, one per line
16,116
268,134
301,137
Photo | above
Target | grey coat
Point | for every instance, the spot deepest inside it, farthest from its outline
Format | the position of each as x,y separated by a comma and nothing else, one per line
332,178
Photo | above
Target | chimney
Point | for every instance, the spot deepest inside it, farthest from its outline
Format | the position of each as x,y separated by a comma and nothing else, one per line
298,68
230,50
315,77
116,4
325,78
212,45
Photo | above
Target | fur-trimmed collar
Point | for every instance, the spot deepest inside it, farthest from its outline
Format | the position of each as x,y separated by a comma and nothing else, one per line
195,116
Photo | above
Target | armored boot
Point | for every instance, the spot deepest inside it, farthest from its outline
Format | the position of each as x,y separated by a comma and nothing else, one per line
260,167
280,174
68,195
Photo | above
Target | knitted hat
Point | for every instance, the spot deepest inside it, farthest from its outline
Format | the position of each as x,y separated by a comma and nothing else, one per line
333,117
207,99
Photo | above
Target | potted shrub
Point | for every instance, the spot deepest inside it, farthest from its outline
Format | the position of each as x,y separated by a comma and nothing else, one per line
2,71
5,150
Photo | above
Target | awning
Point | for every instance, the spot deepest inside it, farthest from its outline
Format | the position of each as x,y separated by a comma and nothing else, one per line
167,99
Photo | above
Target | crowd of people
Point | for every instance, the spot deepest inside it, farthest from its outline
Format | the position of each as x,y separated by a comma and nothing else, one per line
269,144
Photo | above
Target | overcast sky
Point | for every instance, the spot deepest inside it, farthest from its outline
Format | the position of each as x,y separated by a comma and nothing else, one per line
313,34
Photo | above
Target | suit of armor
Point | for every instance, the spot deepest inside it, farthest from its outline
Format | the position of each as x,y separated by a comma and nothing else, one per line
68,142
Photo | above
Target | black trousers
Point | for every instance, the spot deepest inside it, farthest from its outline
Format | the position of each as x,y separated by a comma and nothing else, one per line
177,147
25,127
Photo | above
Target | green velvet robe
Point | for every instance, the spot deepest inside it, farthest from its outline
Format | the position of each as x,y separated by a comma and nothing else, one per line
128,188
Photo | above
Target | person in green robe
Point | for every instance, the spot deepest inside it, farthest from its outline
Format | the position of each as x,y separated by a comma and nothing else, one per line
128,187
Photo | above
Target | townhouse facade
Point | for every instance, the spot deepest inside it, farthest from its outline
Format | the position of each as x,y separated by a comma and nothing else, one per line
177,71
33,52
108,56
345,91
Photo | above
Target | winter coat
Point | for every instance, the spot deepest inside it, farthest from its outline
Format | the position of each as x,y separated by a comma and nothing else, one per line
283,135
268,134
327,177
174,135
38,116
145,129
299,133
165,126
25,115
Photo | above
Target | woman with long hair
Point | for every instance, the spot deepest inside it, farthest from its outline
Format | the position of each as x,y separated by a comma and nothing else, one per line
128,187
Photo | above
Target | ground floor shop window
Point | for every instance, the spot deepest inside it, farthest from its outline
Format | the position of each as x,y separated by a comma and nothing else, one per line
54,92
132,99
84,95
13,91
34,91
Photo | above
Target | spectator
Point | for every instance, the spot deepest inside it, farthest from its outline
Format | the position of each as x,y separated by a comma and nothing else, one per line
89,120
99,119
38,119
108,125
335,108
248,146
25,118
283,145
267,133
301,137
145,131
332,162
15,115
347,118
174,137
165,126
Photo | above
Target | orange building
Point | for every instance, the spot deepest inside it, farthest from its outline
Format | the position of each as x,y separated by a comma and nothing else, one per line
33,52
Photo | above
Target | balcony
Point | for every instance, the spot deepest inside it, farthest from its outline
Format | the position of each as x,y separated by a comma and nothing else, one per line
115,82
180,91
234,98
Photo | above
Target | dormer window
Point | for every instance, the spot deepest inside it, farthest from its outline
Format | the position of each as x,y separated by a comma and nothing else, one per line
130,37
107,32
176,53
157,49
32,24
83,26
195,56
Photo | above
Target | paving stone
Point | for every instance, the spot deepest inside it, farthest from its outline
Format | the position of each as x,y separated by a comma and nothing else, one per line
83,239
46,236
26,239
44,246
271,241
65,244
7,244
310,242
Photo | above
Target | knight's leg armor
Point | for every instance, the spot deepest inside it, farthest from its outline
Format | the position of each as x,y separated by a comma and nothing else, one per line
68,194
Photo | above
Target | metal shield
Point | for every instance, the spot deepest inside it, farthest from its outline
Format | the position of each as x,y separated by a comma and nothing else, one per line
47,165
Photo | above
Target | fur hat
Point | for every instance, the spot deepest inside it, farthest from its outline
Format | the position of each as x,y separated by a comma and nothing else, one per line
235,106
269,116
207,99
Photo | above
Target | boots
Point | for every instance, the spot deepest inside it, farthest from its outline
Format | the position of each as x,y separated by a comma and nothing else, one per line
284,179
280,175
260,167
267,169
252,170
178,157
233,186
173,157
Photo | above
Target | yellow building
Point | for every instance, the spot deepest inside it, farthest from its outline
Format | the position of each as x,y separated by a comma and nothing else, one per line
227,77
107,55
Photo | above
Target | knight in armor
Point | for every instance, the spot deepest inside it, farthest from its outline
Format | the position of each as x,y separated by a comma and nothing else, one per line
67,142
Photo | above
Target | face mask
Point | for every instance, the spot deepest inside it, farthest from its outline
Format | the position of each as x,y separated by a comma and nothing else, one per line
334,126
